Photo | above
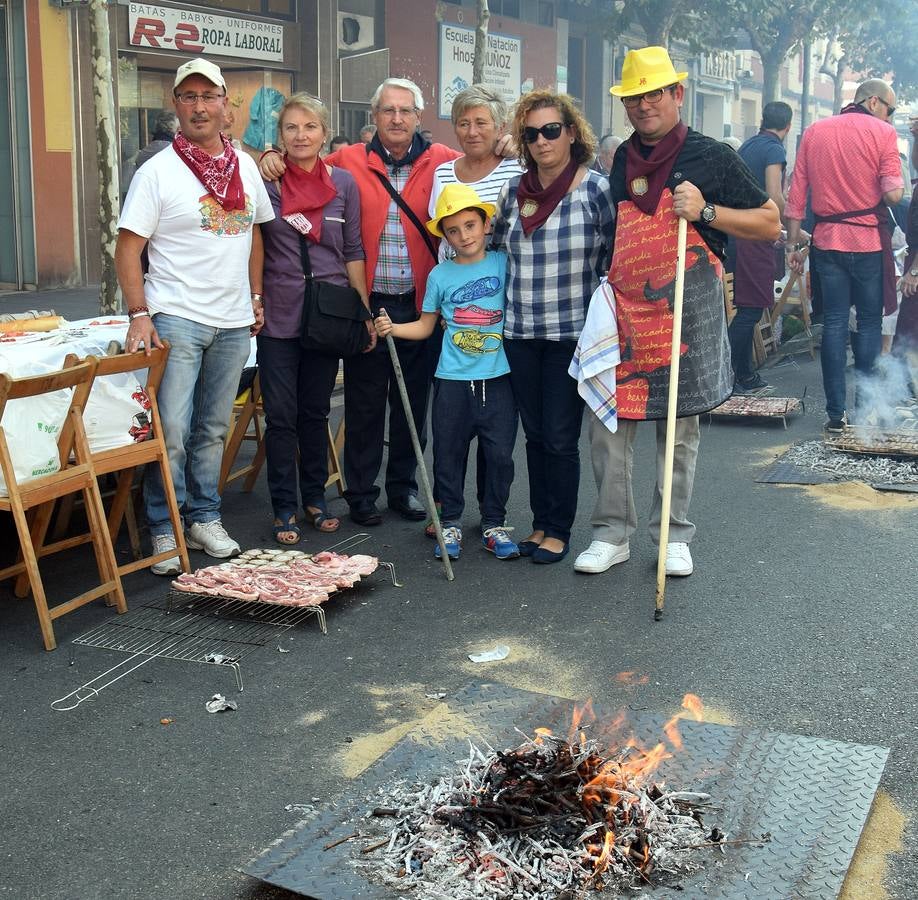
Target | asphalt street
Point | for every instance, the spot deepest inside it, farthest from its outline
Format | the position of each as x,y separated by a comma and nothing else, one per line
800,617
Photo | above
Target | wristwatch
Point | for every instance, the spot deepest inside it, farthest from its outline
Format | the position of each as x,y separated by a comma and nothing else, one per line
708,213
913,273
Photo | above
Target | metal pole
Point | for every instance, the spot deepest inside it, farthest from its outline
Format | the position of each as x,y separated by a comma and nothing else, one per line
671,420
419,455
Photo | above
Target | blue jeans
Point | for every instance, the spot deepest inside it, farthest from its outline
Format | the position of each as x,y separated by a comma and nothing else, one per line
462,410
195,403
846,279
742,335
296,386
551,411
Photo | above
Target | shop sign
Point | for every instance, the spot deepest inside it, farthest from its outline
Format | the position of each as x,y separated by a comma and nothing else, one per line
193,32
503,63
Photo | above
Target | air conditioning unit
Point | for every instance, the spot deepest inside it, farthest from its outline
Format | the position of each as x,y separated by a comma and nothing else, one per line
355,32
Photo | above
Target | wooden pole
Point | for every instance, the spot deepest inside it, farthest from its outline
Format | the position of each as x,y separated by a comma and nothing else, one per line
481,42
671,420
419,455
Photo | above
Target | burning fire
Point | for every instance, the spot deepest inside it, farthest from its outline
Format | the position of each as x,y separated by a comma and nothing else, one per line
555,812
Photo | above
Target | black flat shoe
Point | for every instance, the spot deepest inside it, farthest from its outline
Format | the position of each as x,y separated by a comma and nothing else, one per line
527,548
408,507
366,515
541,555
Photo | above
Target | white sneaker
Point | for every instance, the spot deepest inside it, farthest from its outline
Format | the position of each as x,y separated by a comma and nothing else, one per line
161,544
601,555
211,537
679,559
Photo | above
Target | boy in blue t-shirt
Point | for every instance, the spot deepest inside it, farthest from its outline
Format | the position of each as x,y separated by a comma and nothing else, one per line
472,394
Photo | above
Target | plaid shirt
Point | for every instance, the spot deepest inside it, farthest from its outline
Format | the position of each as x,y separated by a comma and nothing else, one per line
552,273
393,268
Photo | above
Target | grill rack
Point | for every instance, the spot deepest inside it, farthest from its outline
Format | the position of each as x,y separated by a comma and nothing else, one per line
874,441
758,407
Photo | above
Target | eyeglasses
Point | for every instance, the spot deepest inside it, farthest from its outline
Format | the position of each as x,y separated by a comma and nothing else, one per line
551,132
890,110
652,97
403,111
189,99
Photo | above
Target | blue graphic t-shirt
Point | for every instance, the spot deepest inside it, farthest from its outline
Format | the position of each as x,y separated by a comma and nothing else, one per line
471,298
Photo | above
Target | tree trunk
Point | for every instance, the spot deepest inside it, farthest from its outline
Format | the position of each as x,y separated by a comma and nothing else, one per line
481,42
807,80
839,83
106,152
771,79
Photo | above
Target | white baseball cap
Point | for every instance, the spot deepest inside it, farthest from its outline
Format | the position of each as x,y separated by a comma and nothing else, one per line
200,67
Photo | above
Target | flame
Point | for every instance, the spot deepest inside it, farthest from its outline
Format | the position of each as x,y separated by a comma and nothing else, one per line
540,734
691,707
602,863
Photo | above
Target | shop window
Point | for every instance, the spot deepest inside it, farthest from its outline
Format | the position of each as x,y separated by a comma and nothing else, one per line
254,98
509,8
546,13
276,9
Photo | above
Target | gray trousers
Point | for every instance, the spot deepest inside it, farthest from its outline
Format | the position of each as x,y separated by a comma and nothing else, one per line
614,519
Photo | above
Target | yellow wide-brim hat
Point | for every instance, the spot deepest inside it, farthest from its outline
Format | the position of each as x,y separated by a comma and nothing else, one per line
453,199
647,69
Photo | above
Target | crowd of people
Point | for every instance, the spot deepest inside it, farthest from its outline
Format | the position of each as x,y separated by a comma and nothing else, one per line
524,277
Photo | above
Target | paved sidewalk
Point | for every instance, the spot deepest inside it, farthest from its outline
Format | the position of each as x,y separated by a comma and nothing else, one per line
71,303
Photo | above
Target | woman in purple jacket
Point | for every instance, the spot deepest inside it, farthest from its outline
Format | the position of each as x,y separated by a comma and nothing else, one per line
321,203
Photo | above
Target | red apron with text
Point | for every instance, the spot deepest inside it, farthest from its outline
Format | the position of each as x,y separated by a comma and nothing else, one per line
643,275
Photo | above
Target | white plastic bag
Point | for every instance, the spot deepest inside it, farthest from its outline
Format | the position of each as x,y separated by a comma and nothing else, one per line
32,426
118,412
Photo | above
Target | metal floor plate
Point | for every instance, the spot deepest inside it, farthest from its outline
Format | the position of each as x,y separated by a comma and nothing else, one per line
813,796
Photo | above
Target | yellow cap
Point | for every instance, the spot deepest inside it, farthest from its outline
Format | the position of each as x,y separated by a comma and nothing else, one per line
453,199
647,69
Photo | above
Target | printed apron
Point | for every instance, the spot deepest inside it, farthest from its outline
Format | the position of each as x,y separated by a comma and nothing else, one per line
643,275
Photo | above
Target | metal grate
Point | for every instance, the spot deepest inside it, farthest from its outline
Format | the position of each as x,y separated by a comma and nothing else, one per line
875,441
811,795
198,628
755,407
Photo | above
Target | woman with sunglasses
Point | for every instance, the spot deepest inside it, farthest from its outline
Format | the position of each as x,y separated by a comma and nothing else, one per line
555,222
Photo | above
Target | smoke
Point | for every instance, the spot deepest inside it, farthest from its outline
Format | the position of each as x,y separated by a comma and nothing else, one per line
885,399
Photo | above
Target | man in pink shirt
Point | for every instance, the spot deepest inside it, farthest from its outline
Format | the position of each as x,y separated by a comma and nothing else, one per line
850,165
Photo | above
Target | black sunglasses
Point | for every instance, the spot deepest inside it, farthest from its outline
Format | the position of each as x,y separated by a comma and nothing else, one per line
890,110
551,132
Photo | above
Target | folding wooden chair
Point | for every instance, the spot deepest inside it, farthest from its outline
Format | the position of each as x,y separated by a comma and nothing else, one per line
125,460
247,424
39,494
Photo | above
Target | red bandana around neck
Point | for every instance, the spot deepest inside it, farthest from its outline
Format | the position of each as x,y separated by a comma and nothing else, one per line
304,195
537,203
646,178
220,175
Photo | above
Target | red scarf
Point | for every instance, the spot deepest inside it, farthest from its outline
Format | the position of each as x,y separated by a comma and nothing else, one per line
537,203
646,178
304,195
220,175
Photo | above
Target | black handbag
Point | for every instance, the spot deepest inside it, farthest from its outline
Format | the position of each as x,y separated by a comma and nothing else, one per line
334,317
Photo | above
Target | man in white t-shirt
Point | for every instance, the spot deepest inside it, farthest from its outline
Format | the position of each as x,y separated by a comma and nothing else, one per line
196,208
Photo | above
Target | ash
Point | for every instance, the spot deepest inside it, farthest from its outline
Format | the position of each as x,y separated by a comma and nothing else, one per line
548,820
876,469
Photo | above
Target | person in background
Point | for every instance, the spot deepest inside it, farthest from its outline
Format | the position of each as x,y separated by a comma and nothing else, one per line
427,135
198,206
318,203
850,165
555,222
754,271
366,134
164,127
472,391
605,153
337,142
664,172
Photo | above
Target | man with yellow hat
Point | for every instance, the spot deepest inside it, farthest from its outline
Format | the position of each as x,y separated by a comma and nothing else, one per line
664,172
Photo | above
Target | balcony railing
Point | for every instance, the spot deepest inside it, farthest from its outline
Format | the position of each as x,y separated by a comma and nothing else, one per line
718,66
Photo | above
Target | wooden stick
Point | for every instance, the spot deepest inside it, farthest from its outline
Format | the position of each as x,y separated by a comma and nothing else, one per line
347,837
376,846
419,454
671,419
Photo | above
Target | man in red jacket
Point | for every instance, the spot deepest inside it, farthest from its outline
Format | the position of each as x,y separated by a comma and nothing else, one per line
399,257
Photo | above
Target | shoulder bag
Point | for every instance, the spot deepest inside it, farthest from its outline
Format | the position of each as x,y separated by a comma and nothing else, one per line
334,317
